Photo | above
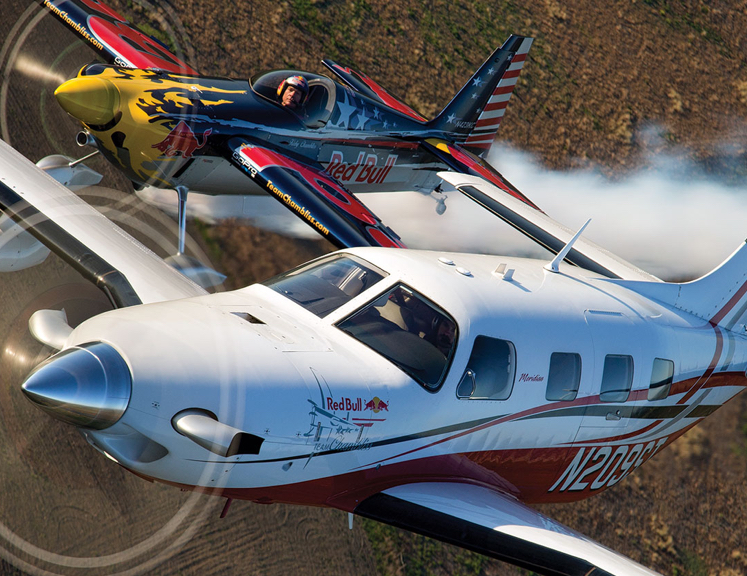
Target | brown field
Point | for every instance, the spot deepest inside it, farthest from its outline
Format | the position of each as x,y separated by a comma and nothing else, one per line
597,76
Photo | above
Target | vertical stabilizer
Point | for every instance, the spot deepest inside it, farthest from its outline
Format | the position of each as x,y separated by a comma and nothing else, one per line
472,118
719,297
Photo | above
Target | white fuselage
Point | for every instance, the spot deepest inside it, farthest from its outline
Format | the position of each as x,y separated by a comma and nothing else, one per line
340,421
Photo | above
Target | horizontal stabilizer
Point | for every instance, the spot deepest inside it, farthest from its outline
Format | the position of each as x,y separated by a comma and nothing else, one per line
125,270
490,523
544,230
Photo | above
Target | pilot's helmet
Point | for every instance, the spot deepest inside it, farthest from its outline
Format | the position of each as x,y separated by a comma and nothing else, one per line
298,82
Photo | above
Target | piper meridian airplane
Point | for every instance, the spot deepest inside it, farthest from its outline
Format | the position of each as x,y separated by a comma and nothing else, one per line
441,393
164,125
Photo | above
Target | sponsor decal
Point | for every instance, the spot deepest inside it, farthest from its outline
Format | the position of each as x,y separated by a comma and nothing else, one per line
240,156
358,405
182,140
79,28
364,170
377,405
601,467
330,431
301,144
531,378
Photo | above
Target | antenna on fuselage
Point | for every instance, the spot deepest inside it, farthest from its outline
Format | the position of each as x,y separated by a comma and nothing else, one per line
554,266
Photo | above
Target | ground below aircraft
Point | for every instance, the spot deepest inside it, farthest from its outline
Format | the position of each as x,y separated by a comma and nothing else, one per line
442,393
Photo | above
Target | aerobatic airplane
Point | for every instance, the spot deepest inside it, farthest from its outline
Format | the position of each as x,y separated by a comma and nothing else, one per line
308,141
441,393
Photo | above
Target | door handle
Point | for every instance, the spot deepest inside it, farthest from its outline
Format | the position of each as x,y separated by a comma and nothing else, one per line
614,415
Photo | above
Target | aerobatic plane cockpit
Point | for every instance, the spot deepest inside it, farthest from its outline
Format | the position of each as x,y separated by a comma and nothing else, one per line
317,103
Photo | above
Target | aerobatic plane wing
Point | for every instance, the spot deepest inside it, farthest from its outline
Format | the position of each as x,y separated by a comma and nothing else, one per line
314,196
113,38
543,229
125,270
497,525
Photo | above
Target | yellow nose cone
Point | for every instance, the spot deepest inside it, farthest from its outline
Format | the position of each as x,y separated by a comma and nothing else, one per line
91,100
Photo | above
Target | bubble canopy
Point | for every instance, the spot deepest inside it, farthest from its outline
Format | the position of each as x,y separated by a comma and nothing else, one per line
319,104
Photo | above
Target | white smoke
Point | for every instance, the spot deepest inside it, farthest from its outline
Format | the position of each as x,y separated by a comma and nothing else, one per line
668,218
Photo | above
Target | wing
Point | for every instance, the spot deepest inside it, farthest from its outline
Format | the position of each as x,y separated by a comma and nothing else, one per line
496,525
125,270
364,85
314,196
543,229
461,160
115,39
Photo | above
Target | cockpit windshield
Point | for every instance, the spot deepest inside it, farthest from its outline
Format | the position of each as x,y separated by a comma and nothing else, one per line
409,330
324,285
317,106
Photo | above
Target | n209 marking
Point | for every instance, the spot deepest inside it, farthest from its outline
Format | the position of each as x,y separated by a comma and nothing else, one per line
596,468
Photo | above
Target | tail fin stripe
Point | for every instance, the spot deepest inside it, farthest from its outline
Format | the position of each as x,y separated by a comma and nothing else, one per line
498,99
488,114
486,141
512,74
486,125
520,57
497,105
483,133
493,113
721,314
504,89
491,124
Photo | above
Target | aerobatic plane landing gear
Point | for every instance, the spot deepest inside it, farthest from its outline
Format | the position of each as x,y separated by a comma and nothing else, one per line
190,267
182,192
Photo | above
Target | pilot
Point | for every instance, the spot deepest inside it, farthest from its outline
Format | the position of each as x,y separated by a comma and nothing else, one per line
445,333
292,93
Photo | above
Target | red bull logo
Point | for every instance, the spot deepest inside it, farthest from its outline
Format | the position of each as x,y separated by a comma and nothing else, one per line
363,170
377,405
182,140
357,404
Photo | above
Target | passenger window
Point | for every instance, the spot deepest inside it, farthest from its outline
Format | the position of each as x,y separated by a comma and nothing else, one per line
490,371
564,376
662,375
409,330
617,378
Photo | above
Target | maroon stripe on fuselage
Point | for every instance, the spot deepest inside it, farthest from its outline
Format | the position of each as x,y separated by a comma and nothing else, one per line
713,365
729,305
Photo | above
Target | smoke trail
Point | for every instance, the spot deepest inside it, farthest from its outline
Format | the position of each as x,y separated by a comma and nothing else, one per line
668,218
